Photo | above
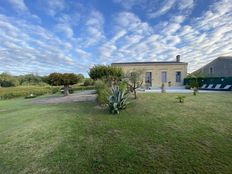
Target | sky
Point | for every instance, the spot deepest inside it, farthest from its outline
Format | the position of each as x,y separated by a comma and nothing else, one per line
45,36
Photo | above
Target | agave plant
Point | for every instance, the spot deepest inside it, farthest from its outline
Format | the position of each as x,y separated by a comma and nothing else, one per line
118,100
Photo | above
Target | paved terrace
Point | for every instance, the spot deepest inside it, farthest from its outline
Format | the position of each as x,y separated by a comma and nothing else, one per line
176,89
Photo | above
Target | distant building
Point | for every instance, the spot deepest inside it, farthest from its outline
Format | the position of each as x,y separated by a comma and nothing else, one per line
220,67
156,73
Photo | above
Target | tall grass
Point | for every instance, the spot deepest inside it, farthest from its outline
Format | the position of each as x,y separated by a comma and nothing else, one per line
22,91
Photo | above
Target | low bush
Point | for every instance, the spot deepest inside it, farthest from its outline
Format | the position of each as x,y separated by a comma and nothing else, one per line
123,86
88,82
181,99
54,90
195,90
103,92
81,87
118,100
163,88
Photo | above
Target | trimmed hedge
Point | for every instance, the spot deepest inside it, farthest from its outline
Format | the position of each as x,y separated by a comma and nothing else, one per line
208,80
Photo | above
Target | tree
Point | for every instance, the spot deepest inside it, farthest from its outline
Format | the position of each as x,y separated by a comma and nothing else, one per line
107,73
80,77
7,80
66,79
30,79
134,81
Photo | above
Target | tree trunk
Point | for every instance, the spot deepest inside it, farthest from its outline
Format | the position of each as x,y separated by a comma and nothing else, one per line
135,94
134,89
66,90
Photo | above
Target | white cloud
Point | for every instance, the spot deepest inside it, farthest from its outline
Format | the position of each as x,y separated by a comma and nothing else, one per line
203,40
166,6
185,4
64,29
93,28
129,4
82,53
31,47
130,22
89,39
55,6
18,4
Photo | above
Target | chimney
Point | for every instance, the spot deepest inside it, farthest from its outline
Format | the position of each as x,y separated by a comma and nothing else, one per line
178,58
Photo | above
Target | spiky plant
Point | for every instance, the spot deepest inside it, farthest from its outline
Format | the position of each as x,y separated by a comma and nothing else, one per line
118,100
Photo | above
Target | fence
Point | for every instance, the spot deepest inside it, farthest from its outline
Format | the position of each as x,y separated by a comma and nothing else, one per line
208,80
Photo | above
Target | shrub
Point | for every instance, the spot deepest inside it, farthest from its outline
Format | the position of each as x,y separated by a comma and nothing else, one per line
181,99
163,88
54,90
81,87
103,92
118,100
195,90
123,86
88,82
187,87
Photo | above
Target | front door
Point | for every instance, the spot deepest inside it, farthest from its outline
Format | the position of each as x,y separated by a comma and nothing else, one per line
148,79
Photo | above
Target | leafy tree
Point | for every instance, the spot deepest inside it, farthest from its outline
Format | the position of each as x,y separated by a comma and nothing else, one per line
80,77
66,79
7,80
107,73
30,79
134,81
88,82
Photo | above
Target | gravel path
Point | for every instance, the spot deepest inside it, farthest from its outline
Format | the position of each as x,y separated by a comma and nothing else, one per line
87,95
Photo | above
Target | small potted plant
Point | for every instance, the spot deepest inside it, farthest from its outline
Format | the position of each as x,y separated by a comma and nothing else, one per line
169,84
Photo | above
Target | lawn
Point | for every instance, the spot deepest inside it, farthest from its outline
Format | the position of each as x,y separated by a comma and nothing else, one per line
155,134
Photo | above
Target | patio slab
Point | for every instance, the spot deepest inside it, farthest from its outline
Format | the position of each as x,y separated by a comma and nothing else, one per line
179,89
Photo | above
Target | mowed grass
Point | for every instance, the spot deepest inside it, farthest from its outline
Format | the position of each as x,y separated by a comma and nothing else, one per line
155,134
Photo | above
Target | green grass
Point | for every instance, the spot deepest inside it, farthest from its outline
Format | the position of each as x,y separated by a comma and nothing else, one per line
155,134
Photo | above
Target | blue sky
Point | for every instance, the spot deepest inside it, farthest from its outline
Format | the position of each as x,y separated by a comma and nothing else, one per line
42,36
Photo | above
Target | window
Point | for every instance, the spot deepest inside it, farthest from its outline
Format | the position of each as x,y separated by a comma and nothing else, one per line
178,76
211,70
148,77
164,77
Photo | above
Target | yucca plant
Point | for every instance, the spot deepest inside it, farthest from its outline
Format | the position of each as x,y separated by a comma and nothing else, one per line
118,100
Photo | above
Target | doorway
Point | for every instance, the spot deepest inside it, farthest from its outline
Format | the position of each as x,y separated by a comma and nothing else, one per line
148,79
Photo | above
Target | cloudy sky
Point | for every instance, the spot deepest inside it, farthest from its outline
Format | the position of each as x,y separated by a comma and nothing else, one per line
44,36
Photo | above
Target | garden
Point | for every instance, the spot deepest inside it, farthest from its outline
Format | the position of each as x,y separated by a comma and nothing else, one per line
154,133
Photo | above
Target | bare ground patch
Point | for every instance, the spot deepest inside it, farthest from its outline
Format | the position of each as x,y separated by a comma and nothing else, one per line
83,96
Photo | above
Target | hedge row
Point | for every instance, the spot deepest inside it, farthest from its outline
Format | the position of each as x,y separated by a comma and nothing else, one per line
209,80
